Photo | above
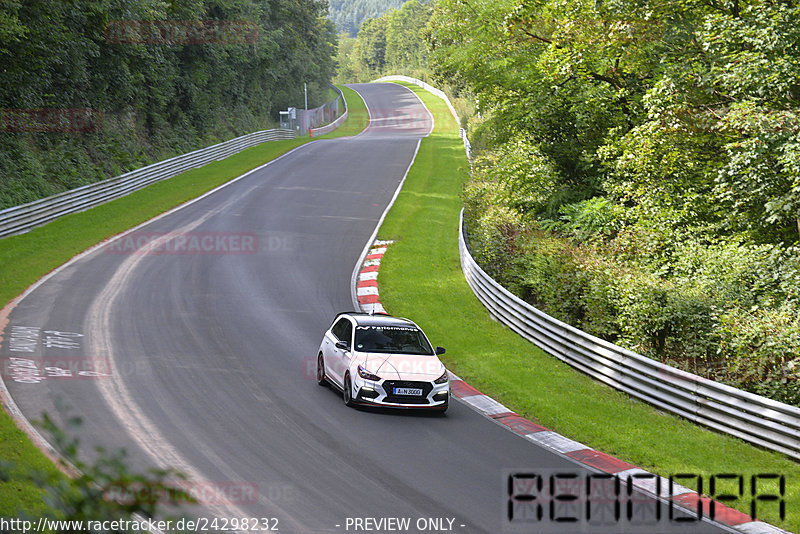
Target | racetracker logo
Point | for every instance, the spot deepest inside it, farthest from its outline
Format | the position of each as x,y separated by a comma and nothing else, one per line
181,32
129,493
51,120
184,243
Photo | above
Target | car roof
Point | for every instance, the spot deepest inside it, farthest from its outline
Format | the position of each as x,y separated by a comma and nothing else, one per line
378,319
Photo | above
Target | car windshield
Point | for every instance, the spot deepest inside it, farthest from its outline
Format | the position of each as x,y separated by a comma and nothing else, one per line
395,339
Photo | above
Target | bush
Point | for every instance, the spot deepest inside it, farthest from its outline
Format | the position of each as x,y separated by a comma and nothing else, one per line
719,307
493,238
593,219
527,179
548,276
103,489
761,348
666,321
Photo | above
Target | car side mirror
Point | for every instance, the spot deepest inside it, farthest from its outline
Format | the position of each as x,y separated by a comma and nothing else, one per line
342,345
440,350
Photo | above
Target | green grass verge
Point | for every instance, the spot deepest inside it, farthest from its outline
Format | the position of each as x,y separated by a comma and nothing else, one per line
421,278
26,258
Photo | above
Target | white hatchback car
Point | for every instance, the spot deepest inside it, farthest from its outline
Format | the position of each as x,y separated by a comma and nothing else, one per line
381,360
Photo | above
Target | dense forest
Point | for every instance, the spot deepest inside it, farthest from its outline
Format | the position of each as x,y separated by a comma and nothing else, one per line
92,89
348,15
637,167
391,43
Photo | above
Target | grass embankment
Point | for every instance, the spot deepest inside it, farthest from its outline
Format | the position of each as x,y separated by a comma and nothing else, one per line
26,258
421,278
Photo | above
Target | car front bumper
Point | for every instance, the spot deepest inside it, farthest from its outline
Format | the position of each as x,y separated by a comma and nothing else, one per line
382,393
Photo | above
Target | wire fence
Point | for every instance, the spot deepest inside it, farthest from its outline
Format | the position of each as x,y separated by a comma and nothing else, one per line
334,122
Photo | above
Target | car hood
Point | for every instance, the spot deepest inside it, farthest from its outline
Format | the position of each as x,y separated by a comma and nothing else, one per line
403,366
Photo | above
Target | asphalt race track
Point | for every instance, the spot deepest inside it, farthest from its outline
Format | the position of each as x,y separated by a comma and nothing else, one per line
211,357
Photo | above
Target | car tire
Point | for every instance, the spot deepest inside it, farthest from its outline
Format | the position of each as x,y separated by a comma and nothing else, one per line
347,392
321,380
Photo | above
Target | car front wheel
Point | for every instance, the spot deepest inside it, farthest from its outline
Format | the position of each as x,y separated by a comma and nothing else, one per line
321,380
347,392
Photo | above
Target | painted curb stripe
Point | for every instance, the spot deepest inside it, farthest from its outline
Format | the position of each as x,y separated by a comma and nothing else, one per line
518,424
600,460
486,404
368,299
556,441
461,389
759,527
647,481
362,291
722,513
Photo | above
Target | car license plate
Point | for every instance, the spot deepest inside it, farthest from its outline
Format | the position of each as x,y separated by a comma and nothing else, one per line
408,391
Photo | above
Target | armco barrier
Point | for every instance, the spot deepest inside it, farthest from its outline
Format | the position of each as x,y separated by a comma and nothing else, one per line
23,218
750,417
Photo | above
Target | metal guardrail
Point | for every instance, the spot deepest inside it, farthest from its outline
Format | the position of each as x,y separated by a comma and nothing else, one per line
765,422
20,219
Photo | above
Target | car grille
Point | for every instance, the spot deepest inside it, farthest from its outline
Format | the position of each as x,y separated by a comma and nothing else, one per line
389,385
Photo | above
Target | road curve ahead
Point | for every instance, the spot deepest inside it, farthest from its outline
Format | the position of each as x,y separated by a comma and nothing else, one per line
210,346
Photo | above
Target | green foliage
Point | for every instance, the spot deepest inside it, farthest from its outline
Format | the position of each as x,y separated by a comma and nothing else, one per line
494,232
761,348
391,43
345,63
370,48
660,108
159,94
528,177
348,15
587,220
714,315
548,275
404,45
657,145
100,489
104,488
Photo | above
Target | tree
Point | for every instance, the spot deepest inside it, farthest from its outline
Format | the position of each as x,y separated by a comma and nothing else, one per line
404,45
370,47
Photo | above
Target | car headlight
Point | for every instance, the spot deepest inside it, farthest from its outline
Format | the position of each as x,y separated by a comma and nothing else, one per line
442,379
363,373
